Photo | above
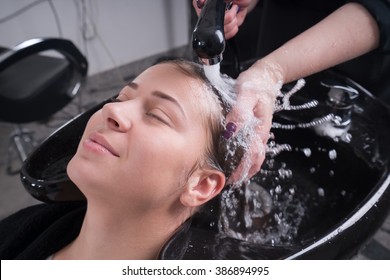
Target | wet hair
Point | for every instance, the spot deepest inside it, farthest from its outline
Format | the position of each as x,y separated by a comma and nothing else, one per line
217,153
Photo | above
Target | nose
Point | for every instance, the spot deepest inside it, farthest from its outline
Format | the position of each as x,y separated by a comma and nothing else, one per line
117,116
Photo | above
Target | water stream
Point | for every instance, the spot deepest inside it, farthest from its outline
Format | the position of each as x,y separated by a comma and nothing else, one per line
269,209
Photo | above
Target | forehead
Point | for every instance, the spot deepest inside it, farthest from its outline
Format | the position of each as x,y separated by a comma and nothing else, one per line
167,75
172,80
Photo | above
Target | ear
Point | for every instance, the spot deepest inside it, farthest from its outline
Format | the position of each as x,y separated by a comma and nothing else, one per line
202,186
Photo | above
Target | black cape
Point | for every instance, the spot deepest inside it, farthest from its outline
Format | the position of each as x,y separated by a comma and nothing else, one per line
37,232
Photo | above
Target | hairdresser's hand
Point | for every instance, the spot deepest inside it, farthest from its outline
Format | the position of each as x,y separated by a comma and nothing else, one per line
257,90
234,17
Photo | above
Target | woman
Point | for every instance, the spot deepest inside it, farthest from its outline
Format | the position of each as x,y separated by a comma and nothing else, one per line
145,163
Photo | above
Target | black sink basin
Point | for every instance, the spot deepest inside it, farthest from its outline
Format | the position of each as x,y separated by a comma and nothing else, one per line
328,195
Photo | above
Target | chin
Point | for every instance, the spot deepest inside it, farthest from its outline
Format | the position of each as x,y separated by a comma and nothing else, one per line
79,173
72,170
86,175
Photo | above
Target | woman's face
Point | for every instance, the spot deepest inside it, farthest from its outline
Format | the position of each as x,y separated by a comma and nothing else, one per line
139,151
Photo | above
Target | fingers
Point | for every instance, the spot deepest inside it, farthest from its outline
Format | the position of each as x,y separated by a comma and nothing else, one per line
198,5
231,128
256,166
230,31
236,175
251,163
234,17
257,156
264,112
244,107
231,22
241,15
255,108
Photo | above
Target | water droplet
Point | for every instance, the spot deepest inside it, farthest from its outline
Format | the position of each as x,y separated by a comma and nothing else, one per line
321,192
332,154
307,152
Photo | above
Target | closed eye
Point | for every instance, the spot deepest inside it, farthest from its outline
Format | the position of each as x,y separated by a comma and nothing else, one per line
159,116
114,99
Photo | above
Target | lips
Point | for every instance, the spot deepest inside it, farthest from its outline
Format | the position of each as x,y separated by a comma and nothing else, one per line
102,144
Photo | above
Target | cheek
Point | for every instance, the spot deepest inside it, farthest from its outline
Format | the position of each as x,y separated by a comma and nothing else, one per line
96,120
160,160
79,169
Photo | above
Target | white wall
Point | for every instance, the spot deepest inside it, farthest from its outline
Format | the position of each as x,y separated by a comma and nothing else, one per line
109,32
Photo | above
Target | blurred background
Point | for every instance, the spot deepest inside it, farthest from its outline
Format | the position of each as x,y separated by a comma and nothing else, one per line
109,33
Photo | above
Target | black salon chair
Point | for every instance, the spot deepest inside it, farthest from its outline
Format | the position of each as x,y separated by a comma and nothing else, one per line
38,78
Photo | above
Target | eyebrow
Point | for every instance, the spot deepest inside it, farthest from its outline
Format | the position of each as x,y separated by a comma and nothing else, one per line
161,95
132,85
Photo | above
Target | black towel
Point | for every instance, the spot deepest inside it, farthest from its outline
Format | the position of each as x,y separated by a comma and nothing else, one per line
38,231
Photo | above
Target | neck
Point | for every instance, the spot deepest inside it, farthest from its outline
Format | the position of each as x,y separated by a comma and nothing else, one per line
108,233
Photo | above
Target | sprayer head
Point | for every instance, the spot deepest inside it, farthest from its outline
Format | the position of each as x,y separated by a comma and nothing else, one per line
208,38
211,61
